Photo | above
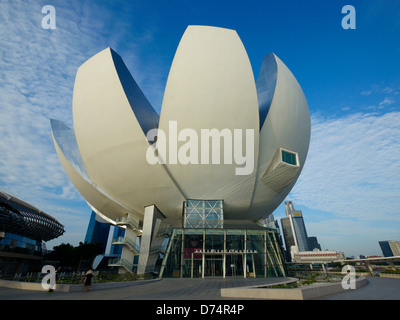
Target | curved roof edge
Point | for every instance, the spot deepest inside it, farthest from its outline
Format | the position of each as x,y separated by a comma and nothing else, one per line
20,217
60,130
66,140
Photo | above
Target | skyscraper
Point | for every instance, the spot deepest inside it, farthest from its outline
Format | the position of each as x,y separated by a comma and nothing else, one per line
313,242
294,230
97,231
101,231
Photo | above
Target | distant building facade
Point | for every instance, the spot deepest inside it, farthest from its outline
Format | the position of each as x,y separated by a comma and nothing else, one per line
316,256
313,243
294,230
295,233
24,230
97,231
270,222
298,226
390,248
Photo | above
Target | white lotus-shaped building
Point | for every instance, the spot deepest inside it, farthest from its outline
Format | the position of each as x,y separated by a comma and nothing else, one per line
210,87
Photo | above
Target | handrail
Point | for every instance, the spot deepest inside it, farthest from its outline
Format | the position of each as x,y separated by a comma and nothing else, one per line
128,242
130,222
157,249
165,230
122,263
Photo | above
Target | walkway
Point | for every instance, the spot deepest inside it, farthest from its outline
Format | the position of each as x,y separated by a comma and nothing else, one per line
165,289
200,289
376,289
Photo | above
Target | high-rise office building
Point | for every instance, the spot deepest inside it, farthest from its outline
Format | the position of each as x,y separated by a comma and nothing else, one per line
97,231
101,231
390,248
294,230
270,222
313,242
288,236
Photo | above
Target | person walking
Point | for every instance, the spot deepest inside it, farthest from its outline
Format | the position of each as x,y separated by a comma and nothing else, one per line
88,279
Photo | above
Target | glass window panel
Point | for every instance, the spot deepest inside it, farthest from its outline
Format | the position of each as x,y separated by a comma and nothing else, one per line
235,242
203,214
289,157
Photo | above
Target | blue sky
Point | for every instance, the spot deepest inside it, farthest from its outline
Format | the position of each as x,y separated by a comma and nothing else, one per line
350,186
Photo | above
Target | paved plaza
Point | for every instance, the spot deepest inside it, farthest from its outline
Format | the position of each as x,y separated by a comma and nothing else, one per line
376,289
165,289
199,289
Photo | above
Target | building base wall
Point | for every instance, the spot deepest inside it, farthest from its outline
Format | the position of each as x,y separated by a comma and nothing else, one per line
302,293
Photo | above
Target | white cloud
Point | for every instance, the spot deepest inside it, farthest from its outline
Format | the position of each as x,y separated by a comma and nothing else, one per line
386,102
378,89
37,73
350,235
353,167
350,185
388,90
366,92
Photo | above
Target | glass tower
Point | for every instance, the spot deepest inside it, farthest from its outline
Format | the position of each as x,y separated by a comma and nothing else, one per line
97,231
300,232
294,230
314,244
390,248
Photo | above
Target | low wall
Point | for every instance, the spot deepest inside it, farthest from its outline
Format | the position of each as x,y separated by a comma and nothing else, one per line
389,275
71,287
303,293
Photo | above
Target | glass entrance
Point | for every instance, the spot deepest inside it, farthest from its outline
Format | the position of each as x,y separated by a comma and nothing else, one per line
234,265
196,269
211,253
214,266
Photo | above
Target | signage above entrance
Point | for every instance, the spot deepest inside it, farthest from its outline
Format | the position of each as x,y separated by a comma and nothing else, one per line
214,251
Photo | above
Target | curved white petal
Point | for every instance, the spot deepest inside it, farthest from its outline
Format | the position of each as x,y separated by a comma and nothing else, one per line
111,116
286,126
68,153
211,86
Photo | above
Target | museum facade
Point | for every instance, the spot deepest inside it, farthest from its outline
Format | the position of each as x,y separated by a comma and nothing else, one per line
190,186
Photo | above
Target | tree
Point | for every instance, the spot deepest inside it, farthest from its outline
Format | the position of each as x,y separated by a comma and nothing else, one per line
64,254
87,252
70,257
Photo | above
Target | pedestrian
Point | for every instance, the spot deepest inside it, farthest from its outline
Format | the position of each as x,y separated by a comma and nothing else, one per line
58,273
88,279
